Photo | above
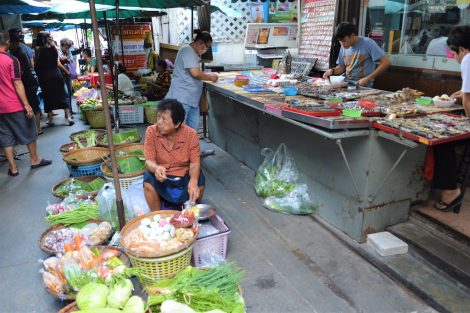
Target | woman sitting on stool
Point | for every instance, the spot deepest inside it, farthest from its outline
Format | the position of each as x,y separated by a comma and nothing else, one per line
172,159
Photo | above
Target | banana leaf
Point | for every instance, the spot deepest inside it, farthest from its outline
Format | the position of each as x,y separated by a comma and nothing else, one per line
131,165
125,137
75,186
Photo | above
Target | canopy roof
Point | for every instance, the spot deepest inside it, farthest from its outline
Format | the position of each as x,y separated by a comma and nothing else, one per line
156,4
21,7
110,14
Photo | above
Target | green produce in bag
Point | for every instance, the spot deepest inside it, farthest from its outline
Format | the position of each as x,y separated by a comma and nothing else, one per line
295,202
277,175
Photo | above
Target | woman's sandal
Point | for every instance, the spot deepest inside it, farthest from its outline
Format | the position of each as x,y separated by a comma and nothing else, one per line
10,173
448,207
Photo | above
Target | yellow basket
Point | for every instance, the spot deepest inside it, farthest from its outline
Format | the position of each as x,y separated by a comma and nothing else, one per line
162,268
151,114
95,118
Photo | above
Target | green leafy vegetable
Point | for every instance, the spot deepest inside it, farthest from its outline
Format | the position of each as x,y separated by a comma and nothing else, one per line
75,186
119,293
76,278
134,305
131,165
92,296
124,137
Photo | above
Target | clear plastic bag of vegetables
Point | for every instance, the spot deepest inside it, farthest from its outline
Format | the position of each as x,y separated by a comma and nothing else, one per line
107,207
295,202
278,174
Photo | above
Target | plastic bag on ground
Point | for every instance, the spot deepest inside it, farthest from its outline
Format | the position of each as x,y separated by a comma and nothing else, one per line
295,202
134,201
278,174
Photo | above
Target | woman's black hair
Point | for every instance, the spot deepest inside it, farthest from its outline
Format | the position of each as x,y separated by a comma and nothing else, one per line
65,42
202,35
175,107
42,39
344,29
87,51
162,64
459,37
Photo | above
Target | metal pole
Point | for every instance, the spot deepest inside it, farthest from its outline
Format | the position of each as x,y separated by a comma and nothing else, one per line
114,73
118,25
192,24
86,34
107,116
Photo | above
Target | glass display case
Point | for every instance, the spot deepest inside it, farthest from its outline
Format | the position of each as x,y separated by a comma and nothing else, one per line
414,32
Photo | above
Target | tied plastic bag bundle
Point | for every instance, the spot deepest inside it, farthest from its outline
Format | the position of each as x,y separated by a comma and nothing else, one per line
278,174
295,202
107,207
278,180
134,201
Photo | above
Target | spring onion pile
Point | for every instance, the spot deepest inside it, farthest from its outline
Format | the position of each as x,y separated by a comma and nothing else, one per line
82,213
202,290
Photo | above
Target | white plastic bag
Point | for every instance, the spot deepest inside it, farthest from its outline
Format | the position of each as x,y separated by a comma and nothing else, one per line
107,207
134,201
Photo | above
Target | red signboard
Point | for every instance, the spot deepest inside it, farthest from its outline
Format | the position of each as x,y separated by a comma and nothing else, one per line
133,40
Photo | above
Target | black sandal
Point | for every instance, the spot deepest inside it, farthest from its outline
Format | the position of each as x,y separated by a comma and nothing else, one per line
43,162
10,173
448,207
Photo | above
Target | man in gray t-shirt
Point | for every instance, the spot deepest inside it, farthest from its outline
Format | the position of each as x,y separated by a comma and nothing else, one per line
187,82
357,57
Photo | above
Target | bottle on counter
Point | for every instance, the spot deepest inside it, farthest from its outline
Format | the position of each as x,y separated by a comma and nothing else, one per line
288,62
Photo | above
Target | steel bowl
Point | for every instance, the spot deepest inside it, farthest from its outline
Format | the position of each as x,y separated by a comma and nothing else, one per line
206,211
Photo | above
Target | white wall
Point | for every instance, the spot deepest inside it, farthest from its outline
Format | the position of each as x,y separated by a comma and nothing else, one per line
229,53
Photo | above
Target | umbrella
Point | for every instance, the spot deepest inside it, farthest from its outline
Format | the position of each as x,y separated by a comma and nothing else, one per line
110,14
156,4
21,7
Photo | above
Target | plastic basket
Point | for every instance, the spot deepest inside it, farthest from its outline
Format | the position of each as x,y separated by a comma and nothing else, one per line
162,268
130,114
213,244
125,183
77,171
95,118
151,114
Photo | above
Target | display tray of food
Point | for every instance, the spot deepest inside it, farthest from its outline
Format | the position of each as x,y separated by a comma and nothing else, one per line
345,93
430,130
313,110
329,122
159,234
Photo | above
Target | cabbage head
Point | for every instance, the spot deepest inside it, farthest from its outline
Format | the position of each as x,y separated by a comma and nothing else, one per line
134,305
120,293
92,296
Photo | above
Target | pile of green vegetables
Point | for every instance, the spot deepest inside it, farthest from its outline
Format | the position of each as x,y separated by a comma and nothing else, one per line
83,212
98,298
200,290
267,183
127,165
134,152
78,186
124,137
90,137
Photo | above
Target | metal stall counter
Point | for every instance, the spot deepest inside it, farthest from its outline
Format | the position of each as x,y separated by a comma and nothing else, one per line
362,180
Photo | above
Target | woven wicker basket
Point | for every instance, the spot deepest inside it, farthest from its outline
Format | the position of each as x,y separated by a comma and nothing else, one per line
107,171
129,147
72,307
100,143
59,226
71,146
71,297
86,156
85,179
95,118
98,133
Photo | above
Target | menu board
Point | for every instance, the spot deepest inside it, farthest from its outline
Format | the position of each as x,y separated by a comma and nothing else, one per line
317,27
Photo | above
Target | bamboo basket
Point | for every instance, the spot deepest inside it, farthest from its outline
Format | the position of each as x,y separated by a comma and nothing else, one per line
95,118
85,179
60,226
125,180
129,147
98,133
86,156
68,147
71,297
100,143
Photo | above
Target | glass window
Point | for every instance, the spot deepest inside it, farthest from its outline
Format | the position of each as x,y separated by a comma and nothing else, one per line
415,27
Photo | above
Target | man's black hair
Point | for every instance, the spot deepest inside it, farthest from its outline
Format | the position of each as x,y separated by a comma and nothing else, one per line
175,107
87,51
163,64
459,37
344,29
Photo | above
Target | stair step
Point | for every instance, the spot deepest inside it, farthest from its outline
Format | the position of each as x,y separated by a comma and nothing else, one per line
426,281
444,252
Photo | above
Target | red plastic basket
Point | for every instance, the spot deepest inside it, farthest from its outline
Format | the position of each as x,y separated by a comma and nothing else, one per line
213,244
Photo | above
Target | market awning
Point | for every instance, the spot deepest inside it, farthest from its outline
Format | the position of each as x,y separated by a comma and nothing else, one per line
156,4
22,7
110,14
282,1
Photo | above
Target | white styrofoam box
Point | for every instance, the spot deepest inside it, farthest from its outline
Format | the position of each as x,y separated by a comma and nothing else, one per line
386,244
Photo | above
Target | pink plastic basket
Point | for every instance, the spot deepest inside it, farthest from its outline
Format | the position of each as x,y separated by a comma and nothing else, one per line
213,244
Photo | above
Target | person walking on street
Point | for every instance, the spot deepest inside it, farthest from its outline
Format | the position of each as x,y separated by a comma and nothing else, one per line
16,115
28,76
65,65
50,79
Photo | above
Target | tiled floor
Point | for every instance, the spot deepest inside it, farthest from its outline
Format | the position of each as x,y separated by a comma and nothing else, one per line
460,222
